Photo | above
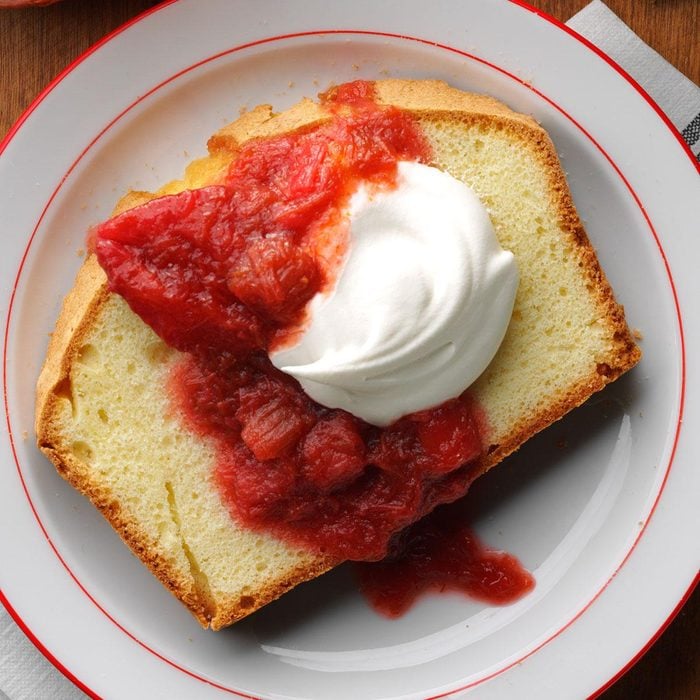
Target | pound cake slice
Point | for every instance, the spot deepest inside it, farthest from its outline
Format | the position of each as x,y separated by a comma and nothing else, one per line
103,414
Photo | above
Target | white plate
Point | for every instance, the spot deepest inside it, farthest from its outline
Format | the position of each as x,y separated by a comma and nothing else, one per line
608,523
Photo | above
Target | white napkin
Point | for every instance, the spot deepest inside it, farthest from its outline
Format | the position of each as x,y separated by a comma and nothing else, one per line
24,672
677,96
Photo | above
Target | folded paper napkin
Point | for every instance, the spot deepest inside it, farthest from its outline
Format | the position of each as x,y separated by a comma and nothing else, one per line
677,96
26,675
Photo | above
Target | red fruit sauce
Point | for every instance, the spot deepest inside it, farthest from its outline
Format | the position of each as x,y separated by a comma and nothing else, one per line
224,274
441,553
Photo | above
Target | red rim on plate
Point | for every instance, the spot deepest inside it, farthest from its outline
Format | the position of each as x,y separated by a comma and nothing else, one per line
550,19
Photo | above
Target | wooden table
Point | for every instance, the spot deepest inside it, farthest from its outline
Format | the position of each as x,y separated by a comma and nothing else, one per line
37,43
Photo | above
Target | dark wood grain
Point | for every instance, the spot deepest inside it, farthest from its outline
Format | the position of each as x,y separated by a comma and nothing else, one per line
38,43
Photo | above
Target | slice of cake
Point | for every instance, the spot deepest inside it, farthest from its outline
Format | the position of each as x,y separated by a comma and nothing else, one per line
108,418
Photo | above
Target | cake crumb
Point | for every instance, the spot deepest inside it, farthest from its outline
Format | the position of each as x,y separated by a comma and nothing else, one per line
637,334
290,84
80,252
25,434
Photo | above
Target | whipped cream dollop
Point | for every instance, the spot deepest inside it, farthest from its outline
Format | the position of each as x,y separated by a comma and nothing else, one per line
420,306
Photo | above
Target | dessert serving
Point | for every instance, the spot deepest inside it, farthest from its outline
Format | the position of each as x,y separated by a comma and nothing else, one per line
333,324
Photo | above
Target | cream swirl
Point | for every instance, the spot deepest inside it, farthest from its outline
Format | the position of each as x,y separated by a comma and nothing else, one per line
421,304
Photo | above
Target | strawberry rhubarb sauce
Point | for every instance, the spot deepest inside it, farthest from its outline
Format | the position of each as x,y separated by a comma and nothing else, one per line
225,273
441,554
